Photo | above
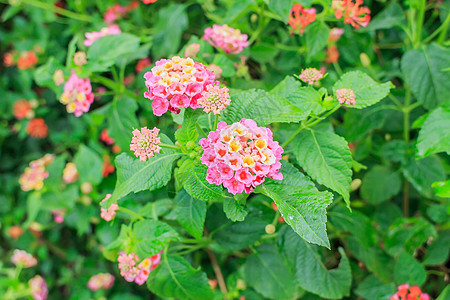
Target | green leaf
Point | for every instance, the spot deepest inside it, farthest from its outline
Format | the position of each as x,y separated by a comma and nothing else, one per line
438,252
445,295
55,172
188,132
190,213
426,72
226,64
156,209
106,50
134,175
281,8
175,278
266,272
263,52
151,236
367,91
441,188
34,204
380,184
367,119
193,178
89,165
311,273
122,121
434,136
233,210
326,157
422,173
316,35
389,17
372,289
409,270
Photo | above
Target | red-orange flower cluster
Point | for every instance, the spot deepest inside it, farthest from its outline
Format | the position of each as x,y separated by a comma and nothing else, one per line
300,17
352,12
37,128
24,60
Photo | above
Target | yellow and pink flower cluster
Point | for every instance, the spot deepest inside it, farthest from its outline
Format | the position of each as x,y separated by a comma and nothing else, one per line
132,271
100,281
33,177
77,95
226,38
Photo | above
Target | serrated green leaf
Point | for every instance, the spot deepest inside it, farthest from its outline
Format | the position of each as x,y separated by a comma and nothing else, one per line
367,91
266,272
233,210
156,209
422,173
434,136
389,17
380,184
409,270
326,157
191,213
372,289
122,121
281,8
175,278
151,236
316,35
188,132
106,50
89,165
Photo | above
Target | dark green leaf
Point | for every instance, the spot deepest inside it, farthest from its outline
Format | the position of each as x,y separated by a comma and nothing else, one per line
409,270
316,37
89,165
434,136
422,173
122,121
190,213
380,184
233,210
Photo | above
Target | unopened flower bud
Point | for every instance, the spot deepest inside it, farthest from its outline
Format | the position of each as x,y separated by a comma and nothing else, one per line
241,285
270,229
356,183
365,60
86,187
15,231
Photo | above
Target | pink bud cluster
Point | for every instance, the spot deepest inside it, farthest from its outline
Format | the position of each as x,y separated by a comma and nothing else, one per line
38,288
346,96
145,143
118,11
132,271
176,83
240,156
214,99
352,13
77,95
310,75
100,281
109,213
23,258
70,173
91,37
33,177
226,38
406,292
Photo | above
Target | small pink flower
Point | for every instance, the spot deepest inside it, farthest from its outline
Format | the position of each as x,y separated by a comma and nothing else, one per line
160,106
91,37
132,271
21,257
110,213
58,215
58,77
100,281
38,287
192,50
214,99
227,38
346,96
335,34
33,177
310,75
79,58
77,95
70,173
145,143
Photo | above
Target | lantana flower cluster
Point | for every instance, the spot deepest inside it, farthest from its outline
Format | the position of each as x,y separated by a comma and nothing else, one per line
33,177
91,37
37,128
176,83
240,156
23,258
226,38
214,99
352,12
406,292
310,75
301,17
132,271
109,213
24,59
118,11
23,109
100,281
145,143
346,96
70,173
77,95
38,288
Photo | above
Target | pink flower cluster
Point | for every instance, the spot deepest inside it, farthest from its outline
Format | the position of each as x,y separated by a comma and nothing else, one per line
226,38
145,143
406,292
77,95
70,173
240,156
118,11
110,213
301,17
91,37
23,258
346,96
214,99
38,287
58,215
100,281
176,83
310,75
33,177
352,13
132,271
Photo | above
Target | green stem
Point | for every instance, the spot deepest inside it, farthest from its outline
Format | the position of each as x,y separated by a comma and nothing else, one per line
419,24
131,213
55,9
406,111
114,86
216,121
291,138
18,271
261,25
443,35
338,68
169,146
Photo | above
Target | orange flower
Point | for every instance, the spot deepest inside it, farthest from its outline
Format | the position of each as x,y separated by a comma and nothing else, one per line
37,128
26,60
107,167
22,109
8,60
300,17
332,54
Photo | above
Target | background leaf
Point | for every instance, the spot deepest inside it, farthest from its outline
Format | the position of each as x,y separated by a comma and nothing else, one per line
434,136
151,236
89,165
190,213
380,184
122,121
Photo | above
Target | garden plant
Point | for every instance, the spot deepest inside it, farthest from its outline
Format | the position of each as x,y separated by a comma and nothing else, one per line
222,149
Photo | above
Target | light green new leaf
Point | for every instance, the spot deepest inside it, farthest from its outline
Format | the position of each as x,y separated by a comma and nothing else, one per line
151,236
190,213
326,157
434,136
445,295
380,184
310,271
188,132
367,91
233,210
426,72
122,121
175,278
89,165
408,269
266,272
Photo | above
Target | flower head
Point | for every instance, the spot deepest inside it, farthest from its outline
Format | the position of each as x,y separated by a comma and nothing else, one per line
8,59
176,83
216,70
300,17
406,292
21,257
192,50
149,1
145,143
310,75
79,58
91,37
226,38
70,173
352,13
33,177
104,137
58,77
77,95
110,213
108,168
22,109
38,287
346,96
132,271
26,60
58,215
335,34
118,11
100,281
240,156
142,64
214,99
37,128
332,54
